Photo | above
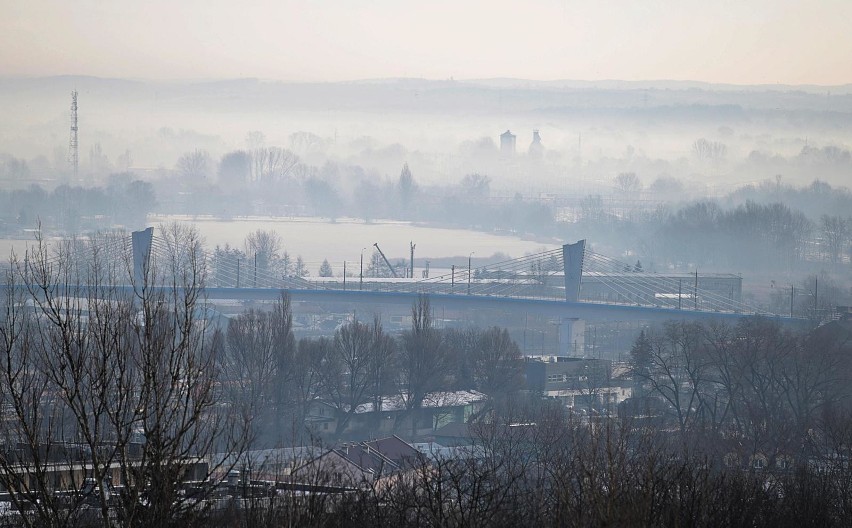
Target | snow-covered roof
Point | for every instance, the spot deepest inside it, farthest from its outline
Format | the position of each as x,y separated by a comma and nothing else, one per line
432,400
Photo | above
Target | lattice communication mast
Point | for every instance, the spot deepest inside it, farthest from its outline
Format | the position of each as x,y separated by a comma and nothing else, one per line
73,151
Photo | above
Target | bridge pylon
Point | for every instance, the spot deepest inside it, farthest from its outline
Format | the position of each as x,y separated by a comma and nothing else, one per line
141,254
572,259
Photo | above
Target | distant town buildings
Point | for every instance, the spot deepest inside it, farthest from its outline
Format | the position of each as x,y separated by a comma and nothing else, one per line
536,149
579,383
507,143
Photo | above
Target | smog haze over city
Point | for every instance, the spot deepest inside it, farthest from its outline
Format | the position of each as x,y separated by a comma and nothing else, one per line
401,263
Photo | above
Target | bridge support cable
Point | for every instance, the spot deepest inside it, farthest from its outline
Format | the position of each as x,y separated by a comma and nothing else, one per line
635,288
510,277
77,258
242,273
659,289
614,277
524,277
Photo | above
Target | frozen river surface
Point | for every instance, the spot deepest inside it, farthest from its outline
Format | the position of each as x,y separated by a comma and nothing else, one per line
316,239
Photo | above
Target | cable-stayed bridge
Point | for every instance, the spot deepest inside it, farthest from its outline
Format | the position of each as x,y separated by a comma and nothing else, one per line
570,282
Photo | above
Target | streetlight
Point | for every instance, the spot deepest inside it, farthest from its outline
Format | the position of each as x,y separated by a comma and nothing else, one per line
792,296
468,272
361,272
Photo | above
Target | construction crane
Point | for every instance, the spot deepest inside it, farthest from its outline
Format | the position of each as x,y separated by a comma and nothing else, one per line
393,272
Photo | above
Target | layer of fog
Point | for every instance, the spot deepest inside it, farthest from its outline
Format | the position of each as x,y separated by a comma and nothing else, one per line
443,129
682,176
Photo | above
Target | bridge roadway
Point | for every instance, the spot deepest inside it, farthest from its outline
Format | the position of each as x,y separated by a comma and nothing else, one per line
545,307
402,300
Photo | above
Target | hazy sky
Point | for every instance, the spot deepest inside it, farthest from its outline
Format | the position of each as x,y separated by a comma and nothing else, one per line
743,41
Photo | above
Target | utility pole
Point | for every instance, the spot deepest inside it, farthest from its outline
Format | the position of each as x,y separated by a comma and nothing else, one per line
792,291
468,272
816,295
695,291
413,245
361,272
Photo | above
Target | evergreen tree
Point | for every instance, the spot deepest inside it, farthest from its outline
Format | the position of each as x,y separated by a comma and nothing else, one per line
325,269
641,357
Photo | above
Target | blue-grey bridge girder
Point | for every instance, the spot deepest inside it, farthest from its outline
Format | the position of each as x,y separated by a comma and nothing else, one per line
545,307
573,260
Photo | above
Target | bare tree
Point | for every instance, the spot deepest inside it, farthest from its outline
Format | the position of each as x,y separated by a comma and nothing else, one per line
265,247
195,166
301,269
476,185
235,168
382,369
706,150
307,143
423,358
260,355
307,384
628,183
255,139
272,164
344,371
678,373
178,255
498,364
836,232
764,420
250,354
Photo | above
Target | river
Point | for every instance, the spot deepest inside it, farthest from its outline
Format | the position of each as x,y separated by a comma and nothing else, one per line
315,239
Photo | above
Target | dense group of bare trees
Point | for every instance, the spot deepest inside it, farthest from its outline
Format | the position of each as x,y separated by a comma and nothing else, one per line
110,394
751,428
361,365
543,467
750,390
239,167
124,200
753,234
